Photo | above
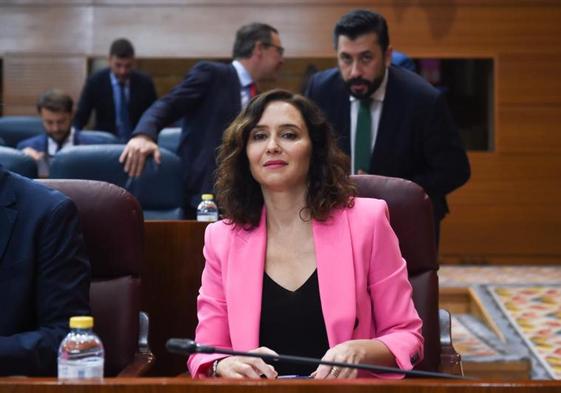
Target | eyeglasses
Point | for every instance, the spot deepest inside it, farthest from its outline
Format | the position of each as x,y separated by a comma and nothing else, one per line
279,49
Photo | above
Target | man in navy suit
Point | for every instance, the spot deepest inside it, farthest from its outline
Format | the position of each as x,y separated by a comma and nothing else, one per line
44,274
119,95
390,121
208,99
55,108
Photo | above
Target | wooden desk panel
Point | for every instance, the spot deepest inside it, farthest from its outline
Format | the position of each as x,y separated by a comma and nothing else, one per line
182,385
171,277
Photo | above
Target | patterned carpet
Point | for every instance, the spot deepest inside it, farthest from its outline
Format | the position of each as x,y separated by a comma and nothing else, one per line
535,313
524,302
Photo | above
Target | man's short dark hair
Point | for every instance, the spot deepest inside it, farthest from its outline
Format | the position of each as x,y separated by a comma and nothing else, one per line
122,48
359,22
247,36
55,100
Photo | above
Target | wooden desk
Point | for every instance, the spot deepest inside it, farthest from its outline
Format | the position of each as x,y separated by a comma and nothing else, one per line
183,385
171,277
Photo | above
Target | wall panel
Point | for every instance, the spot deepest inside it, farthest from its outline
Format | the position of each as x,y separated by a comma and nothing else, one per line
26,76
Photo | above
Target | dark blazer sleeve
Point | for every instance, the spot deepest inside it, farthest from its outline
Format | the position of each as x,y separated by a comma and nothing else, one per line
62,276
181,100
447,163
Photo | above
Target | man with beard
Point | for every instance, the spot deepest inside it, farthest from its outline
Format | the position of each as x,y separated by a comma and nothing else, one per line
390,121
55,108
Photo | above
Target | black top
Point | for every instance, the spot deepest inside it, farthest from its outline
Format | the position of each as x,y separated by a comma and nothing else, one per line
292,323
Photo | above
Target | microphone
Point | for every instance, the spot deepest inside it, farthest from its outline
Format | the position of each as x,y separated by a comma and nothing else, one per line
184,346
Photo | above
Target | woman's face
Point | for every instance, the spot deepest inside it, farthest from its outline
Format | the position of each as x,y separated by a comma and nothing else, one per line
279,148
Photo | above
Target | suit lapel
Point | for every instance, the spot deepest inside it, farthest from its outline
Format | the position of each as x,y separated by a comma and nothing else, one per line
109,100
342,120
7,214
244,286
336,276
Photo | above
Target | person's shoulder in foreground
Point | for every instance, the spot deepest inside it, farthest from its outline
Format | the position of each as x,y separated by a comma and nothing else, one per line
44,274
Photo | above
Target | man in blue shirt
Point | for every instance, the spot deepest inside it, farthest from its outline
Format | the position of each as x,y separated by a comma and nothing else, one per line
118,94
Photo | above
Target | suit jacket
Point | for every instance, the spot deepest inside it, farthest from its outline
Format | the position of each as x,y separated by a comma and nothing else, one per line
97,95
362,278
40,142
44,274
416,140
207,100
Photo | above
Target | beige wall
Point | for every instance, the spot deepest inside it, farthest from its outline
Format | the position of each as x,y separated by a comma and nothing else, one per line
510,210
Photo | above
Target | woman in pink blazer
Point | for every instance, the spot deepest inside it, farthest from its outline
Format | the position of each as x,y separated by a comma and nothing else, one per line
299,265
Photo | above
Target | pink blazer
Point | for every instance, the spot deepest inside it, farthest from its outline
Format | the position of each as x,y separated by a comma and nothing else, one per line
362,277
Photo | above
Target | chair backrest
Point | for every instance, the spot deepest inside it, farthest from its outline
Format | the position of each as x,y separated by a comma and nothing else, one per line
15,161
113,229
169,138
104,137
17,128
412,220
158,188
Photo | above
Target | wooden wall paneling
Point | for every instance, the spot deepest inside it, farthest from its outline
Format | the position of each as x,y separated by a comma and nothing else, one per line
38,27
530,79
529,129
26,76
509,212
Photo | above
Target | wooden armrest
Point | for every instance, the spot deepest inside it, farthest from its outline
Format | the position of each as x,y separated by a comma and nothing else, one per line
141,364
450,360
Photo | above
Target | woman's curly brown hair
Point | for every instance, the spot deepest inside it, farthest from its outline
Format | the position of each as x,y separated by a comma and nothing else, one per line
239,195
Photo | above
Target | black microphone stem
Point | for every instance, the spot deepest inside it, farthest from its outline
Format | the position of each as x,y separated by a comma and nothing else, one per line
312,361
175,346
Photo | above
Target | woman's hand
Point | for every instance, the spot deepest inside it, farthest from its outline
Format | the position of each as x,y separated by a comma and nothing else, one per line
246,367
354,352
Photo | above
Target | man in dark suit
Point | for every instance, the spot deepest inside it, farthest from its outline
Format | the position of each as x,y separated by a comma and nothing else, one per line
208,99
44,274
119,95
390,121
55,108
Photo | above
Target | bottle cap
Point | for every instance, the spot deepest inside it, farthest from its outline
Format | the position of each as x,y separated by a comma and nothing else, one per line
81,322
207,197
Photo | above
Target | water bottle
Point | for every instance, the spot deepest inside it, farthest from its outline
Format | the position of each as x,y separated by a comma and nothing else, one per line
207,210
81,353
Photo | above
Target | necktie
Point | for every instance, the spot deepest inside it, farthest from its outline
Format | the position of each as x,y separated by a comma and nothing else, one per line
363,137
252,90
124,123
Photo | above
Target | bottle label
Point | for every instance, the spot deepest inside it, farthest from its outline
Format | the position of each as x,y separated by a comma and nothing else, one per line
207,217
80,369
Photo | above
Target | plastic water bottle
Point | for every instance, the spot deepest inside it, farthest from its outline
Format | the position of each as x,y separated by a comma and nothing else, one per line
207,210
81,354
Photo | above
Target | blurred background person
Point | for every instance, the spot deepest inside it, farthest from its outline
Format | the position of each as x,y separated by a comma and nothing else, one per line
56,109
208,99
118,94
339,291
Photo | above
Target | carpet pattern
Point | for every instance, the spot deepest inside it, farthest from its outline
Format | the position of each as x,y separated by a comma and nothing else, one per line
534,311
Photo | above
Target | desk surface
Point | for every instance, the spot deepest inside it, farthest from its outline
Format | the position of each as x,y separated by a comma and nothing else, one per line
183,385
